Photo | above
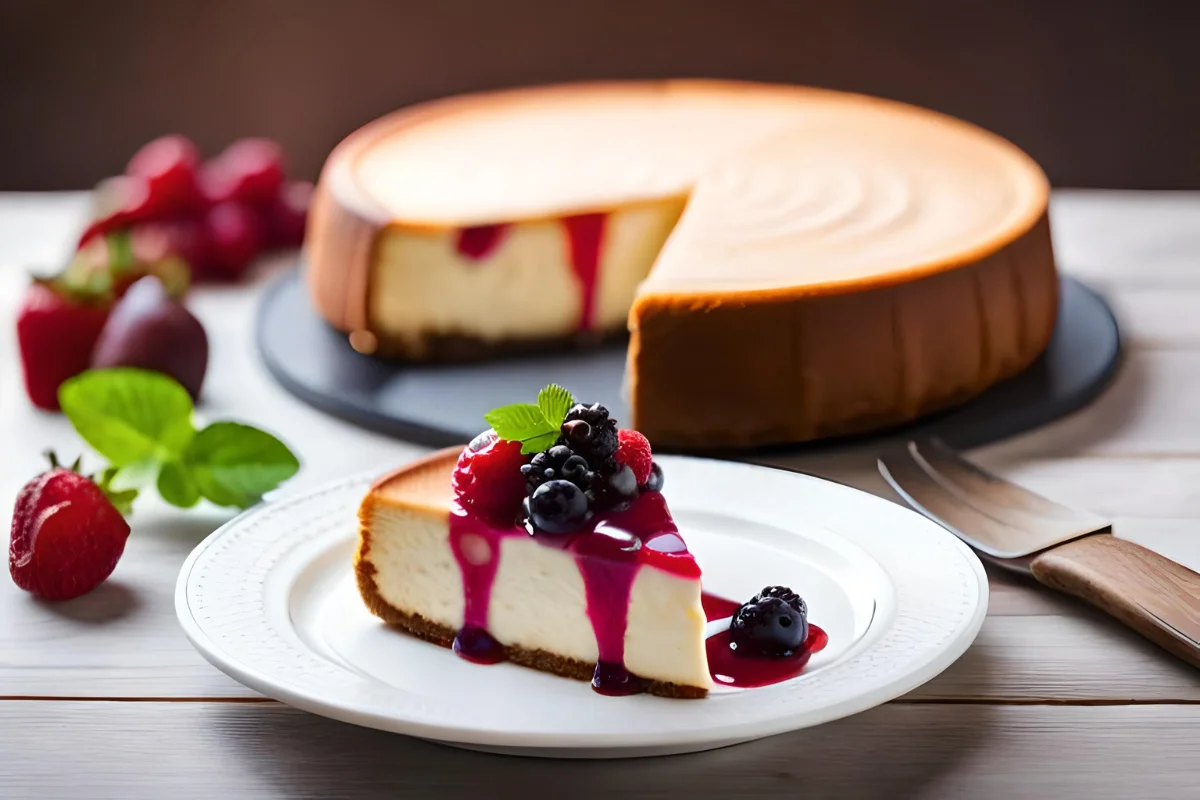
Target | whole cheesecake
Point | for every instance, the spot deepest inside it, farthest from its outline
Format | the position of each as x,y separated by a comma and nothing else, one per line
790,263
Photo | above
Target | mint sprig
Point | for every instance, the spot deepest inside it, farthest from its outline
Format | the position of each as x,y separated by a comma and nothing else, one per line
536,427
141,421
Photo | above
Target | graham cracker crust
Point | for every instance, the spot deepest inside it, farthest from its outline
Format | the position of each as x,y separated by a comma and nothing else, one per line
439,634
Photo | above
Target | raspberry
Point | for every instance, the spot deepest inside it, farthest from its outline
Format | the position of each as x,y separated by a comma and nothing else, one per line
488,476
634,449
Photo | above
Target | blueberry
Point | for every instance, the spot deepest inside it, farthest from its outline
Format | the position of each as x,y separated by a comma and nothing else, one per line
769,626
655,482
575,469
558,507
623,481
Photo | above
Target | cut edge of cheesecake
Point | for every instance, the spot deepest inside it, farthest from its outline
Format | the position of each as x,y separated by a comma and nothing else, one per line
424,487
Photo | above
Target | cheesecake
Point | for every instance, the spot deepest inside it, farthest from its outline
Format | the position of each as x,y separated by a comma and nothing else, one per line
565,560
789,263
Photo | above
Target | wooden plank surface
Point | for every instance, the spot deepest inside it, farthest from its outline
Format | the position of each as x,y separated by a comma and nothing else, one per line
203,750
981,729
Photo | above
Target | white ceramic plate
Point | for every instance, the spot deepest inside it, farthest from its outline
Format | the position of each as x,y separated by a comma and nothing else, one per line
270,600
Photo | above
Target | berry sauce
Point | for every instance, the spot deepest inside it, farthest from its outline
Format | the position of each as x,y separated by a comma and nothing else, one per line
585,234
727,668
718,607
609,554
480,241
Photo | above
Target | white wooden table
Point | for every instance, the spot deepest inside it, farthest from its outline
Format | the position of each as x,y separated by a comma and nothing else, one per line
103,696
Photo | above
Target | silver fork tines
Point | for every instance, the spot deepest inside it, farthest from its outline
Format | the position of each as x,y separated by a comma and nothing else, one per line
992,515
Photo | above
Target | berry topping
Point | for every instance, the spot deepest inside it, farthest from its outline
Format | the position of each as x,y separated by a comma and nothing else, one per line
634,449
590,432
488,476
67,534
773,623
557,463
655,482
558,506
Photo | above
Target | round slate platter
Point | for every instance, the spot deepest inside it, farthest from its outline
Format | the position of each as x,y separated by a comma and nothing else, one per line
444,405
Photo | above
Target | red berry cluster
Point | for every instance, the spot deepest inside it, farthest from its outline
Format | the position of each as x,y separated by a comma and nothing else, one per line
217,215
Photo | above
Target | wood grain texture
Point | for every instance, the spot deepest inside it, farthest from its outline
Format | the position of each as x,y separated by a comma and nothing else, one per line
1153,595
200,750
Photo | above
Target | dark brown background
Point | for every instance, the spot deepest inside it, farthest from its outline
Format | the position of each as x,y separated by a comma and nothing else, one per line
1102,92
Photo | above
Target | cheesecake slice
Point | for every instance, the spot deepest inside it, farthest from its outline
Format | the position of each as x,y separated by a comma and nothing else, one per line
616,602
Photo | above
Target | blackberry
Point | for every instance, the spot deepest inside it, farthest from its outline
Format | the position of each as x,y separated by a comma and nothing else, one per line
785,594
590,432
557,463
773,623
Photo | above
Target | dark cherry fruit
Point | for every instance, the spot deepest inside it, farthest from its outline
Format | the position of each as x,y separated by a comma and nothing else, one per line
557,463
590,432
558,506
149,330
655,482
773,623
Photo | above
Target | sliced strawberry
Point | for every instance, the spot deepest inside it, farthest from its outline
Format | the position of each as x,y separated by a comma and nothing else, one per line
56,334
634,449
67,535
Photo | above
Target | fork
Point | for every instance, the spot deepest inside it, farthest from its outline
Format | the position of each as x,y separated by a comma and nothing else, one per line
1065,549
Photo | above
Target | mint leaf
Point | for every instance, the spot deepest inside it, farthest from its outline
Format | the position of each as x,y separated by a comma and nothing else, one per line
129,415
518,422
235,465
555,402
539,443
176,485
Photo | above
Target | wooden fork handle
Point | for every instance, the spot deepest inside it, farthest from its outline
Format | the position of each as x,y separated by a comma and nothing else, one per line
1151,594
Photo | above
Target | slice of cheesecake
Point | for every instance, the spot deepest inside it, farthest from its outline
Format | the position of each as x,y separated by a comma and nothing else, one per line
617,603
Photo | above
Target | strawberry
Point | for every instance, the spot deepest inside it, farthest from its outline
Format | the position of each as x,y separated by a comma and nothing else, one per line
56,331
634,449
169,165
67,533
250,171
130,200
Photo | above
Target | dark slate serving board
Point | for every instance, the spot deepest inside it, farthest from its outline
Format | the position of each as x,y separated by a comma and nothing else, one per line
444,405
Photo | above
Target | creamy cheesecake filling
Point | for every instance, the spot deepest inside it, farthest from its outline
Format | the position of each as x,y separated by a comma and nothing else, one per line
532,280
624,596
